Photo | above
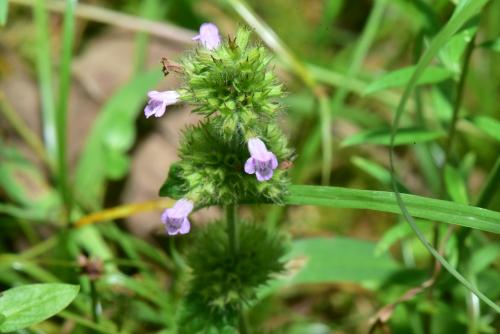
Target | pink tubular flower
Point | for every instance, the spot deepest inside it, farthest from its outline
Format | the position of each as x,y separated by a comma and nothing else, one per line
208,36
261,162
175,218
158,101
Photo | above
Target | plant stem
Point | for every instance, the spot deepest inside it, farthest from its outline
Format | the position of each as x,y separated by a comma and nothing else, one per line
232,229
23,129
61,115
457,105
243,325
490,186
232,234
95,302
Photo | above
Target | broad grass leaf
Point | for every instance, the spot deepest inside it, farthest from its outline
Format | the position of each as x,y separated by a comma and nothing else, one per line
378,172
23,183
29,304
333,260
105,153
4,12
488,125
455,185
401,77
421,207
493,45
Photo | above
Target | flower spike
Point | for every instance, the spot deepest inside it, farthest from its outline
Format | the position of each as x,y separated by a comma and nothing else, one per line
208,36
158,101
175,218
261,162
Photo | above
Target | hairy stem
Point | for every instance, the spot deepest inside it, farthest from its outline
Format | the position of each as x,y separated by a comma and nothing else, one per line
232,229
94,302
232,234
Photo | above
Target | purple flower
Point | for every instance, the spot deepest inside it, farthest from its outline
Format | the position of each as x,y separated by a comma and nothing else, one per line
261,162
175,218
158,101
209,36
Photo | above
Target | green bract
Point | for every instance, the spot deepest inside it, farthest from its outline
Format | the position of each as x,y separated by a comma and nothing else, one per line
223,280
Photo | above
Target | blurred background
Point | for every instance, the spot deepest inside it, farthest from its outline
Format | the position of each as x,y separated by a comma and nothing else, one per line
94,66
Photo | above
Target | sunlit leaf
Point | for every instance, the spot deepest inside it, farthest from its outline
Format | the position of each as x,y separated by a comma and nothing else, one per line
383,137
105,153
29,304
401,77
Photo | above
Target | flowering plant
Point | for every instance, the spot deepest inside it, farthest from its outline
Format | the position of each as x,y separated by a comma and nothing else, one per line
232,156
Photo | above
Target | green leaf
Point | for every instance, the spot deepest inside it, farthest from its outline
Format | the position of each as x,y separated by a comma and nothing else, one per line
401,77
422,207
25,186
455,185
61,115
383,137
333,260
104,155
340,260
174,185
44,73
397,232
29,304
488,125
464,12
4,12
377,171
493,45
452,53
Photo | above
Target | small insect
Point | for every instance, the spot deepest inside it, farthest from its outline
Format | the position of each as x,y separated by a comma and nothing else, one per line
287,164
232,43
169,66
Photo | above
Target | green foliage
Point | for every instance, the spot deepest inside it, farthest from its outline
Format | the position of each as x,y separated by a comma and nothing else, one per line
26,305
419,206
383,137
327,260
4,12
401,77
111,137
222,281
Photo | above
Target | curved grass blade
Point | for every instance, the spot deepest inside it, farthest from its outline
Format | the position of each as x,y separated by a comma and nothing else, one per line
62,103
4,12
44,71
385,201
465,11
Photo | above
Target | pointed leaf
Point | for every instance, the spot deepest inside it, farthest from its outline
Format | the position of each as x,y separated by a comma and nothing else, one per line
401,77
29,304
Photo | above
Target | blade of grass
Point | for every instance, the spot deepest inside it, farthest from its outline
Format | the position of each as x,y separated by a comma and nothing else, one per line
62,103
43,65
490,186
107,16
360,52
465,11
150,9
4,12
421,207
22,128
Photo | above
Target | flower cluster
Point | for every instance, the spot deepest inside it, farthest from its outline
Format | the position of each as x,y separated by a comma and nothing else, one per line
233,155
